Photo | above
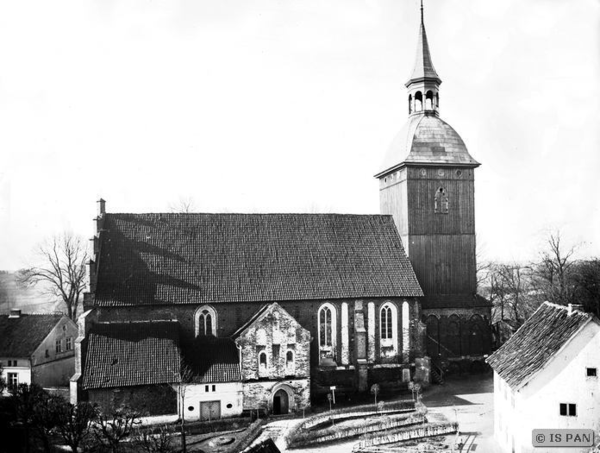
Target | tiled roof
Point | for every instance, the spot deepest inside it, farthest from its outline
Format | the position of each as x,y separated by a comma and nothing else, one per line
19,337
536,342
214,258
213,360
427,140
137,353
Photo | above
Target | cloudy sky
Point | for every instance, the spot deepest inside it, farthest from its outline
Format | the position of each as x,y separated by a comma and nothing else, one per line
290,106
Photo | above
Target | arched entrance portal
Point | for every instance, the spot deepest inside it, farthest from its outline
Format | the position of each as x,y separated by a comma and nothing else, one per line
281,404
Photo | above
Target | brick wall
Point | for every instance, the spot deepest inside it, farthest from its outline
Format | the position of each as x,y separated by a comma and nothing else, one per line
145,399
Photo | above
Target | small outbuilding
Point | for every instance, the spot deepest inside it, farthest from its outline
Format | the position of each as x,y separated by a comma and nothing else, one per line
546,377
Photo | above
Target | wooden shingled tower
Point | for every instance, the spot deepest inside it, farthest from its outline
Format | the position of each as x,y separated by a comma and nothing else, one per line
427,185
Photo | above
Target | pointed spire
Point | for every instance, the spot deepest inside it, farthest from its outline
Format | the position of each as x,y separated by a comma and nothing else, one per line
423,64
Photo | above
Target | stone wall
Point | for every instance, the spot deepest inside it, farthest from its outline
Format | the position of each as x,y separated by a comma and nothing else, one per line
259,394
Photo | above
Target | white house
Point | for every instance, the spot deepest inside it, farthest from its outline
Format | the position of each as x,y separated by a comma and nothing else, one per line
546,377
37,348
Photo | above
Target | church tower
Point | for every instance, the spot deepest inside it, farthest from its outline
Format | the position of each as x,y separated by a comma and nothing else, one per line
427,185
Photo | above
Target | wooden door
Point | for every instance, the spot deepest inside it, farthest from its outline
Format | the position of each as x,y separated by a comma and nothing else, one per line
280,402
210,410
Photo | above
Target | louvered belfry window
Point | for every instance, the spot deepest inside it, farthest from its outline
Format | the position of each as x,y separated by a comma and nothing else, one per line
325,323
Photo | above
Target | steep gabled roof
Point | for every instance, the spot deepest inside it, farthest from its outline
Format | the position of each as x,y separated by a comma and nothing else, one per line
20,336
215,258
213,360
132,353
536,342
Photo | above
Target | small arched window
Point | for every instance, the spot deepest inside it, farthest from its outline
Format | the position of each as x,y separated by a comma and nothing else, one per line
418,101
437,100
429,100
441,204
289,363
205,321
262,361
409,104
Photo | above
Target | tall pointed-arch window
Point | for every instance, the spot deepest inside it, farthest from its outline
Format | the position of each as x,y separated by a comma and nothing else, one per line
289,363
409,104
205,321
327,333
388,330
441,203
386,322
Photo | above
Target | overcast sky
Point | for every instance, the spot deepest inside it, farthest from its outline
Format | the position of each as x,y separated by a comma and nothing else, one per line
290,106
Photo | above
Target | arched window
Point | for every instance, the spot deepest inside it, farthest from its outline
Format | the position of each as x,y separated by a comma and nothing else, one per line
388,330
409,104
433,336
437,100
289,363
418,101
453,337
429,100
327,333
262,363
386,322
441,204
205,321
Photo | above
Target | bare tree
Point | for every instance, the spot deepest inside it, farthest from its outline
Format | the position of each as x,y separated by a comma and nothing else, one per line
184,205
186,376
62,270
553,272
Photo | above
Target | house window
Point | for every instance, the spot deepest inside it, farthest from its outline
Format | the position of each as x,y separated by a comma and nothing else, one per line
591,372
205,321
206,388
47,353
289,363
440,203
568,410
58,346
69,344
262,362
327,333
214,388
13,379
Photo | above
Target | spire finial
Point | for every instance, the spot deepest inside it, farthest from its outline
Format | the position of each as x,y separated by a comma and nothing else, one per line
422,21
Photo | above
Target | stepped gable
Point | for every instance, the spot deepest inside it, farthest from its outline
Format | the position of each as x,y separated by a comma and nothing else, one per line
148,259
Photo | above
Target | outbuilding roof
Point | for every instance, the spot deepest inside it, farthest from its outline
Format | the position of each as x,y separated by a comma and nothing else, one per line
122,354
536,342
21,335
217,258
212,360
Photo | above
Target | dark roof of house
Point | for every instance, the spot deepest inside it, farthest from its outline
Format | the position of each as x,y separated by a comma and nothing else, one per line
20,336
215,258
536,342
213,360
132,353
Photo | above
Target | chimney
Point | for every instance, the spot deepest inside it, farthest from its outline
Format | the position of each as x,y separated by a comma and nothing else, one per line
571,308
15,313
101,207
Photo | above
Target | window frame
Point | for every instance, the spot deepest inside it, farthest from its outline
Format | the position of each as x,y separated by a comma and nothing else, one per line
591,372
567,409
10,377
58,346
327,350
200,315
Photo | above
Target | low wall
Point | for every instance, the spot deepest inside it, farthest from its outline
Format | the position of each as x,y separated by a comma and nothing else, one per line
429,430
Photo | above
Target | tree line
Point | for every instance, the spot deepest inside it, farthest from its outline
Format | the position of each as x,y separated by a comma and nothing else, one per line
516,290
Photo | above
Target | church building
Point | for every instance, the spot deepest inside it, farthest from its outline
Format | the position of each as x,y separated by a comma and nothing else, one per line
427,184
215,314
